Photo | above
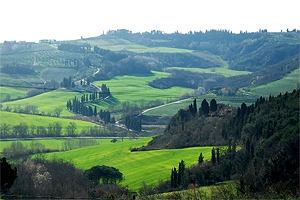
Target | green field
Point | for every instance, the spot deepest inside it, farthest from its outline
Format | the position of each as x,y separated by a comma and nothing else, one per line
171,109
287,83
9,93
138,167
47,102
224,71
117,44
135,89
53,144
17,118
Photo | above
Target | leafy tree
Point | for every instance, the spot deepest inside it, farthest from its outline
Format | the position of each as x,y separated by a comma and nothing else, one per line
71,128
57,111
103,174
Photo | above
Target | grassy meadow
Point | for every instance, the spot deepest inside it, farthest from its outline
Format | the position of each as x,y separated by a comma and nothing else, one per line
287,83
9,93
224,71
135,89
138,167
17,118
116,44
47,102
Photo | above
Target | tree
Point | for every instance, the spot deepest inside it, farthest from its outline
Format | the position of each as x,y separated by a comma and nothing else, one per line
213,105
205,107
57,128
7,175
195,105
174,178
218,156
57,111
200,158
181,169
213,156
71,128
103,174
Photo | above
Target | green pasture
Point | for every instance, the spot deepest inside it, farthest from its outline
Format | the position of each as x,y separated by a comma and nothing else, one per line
287,83
135,89
47,102
36,120
116,44
224,71
148,167
9,93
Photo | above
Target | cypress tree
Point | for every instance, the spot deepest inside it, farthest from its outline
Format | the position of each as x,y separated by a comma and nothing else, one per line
95,111
205,107
218,155
213,156
213,105
181,168
195,106
201,158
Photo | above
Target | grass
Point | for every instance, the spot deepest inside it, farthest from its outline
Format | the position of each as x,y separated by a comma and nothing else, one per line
122,44
287,83
170,110
47,102
17,118
9,93
148,167
224,71
202,192
53,144
135,89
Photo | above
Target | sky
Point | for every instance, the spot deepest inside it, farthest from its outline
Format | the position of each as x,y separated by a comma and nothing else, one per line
32,20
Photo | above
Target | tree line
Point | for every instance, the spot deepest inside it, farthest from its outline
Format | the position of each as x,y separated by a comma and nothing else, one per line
23,130
54,178
78,105
133,122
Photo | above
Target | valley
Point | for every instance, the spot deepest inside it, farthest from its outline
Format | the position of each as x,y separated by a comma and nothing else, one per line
143,102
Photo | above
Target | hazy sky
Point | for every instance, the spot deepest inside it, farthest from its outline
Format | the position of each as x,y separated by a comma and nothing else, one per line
69,19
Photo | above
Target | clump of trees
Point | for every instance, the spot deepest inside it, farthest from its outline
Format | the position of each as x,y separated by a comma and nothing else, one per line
177,175
133,122
67,83
40,178
268,161
104,175
17,150
78,105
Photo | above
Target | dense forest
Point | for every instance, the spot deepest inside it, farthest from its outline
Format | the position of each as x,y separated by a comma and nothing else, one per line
262,152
